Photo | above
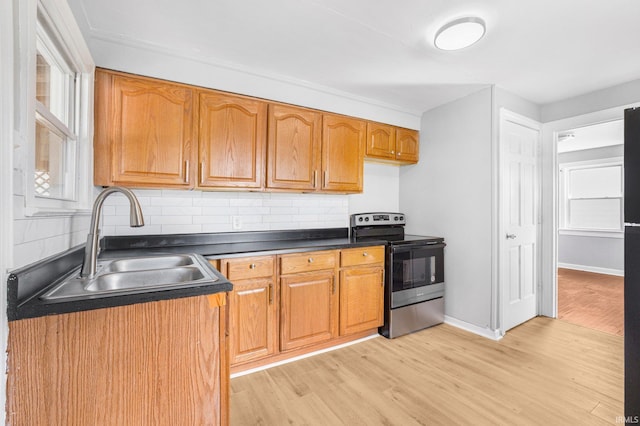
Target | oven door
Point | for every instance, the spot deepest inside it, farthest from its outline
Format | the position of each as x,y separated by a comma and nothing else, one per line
417,273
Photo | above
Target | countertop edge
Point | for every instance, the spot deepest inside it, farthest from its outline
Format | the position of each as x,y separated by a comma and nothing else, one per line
29,306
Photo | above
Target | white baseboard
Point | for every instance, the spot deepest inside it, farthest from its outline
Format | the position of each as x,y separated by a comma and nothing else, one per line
472,328
607,271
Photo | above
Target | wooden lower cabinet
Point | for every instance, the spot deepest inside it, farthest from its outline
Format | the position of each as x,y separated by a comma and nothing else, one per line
309,311
253,307
149,363
361,299
253,317
291,304
361,289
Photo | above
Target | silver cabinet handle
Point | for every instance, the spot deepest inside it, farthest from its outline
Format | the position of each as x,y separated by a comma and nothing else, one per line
365,254
311,260
252,266
511,236
186,171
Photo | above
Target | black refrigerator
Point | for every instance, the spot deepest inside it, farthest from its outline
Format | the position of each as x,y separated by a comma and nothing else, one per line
632,263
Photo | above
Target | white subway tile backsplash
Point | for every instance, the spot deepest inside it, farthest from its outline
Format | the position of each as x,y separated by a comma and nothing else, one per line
169,220
178,212
181,211
127,230
181,229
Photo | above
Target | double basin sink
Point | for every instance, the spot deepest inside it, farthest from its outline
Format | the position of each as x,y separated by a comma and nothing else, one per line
135,275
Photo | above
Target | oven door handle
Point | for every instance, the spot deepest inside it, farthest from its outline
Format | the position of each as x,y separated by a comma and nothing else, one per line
407,247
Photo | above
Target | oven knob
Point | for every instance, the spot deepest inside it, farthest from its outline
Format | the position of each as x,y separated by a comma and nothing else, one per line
401,217
360,219
366,219
395,218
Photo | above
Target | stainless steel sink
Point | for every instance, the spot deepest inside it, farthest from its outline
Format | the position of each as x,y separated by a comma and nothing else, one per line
147,263
136,275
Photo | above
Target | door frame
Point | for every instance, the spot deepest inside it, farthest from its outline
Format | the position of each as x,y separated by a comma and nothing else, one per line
550,204
507,115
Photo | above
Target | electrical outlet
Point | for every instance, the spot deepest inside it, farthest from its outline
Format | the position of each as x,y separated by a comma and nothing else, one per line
236,222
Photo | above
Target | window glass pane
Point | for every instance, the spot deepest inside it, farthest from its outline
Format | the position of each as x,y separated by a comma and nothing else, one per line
596,182
50,170
595,214
54,85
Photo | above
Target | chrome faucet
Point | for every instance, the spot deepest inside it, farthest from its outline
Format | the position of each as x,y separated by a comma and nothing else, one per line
91,250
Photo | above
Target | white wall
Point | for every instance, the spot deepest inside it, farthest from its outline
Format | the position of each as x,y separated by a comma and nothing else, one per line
449,195
380,192
622,94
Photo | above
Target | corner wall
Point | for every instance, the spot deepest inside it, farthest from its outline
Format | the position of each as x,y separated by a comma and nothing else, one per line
449,195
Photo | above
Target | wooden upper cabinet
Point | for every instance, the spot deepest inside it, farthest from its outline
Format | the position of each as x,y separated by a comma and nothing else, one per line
381,141
343,141
294,143
407,145
393,144
144,132
232,140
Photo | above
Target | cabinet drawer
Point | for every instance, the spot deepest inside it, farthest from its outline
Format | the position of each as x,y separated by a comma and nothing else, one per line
362,256
248,267
305,262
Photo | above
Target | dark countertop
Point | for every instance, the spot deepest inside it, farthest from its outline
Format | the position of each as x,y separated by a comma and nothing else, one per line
25,285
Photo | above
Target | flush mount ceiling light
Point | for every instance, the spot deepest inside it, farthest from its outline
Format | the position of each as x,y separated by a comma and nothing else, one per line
460,33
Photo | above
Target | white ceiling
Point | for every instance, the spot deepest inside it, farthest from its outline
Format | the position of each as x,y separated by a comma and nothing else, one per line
541,50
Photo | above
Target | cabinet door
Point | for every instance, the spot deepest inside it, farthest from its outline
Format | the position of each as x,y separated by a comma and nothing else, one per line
407,145
233,132
342,153
381,141
253,320
361,299
149,127
293,148
307,309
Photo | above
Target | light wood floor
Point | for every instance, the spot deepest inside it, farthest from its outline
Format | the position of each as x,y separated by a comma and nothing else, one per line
591,300
544,372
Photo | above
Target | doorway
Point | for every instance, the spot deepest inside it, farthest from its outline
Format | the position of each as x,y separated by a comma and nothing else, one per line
551,218
590,226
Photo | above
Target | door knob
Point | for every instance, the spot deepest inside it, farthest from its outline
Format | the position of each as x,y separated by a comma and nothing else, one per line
511,236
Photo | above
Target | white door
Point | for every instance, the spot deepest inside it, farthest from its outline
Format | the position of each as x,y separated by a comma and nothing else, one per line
518,239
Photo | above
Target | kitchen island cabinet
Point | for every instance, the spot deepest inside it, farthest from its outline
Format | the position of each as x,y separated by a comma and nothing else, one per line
148,363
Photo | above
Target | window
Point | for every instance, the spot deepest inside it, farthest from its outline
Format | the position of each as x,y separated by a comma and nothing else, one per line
58,174
55,121
592,196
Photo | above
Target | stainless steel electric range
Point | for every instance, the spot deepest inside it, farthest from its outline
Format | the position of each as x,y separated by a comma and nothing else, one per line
414,272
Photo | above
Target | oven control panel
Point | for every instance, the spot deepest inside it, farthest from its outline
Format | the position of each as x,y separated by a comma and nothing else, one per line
373,219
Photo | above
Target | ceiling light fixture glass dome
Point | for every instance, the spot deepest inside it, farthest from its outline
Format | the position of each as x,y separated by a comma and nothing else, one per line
460,33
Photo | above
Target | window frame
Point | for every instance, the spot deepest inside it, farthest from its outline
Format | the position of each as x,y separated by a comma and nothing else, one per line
55,20
564,198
